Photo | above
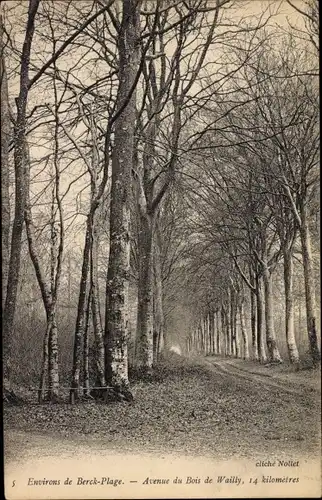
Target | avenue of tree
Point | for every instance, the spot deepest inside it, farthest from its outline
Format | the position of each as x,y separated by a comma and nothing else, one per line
156,155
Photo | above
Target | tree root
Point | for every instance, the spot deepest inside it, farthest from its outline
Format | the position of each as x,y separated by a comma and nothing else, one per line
10,397
112,395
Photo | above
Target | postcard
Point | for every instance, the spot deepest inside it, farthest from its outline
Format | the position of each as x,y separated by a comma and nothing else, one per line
160,222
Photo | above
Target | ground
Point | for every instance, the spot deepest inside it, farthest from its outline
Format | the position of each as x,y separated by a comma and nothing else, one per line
208,408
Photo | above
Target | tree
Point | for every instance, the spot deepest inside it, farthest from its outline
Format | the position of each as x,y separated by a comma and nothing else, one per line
122,163
293,125
20,188
309,10
159,168
5,168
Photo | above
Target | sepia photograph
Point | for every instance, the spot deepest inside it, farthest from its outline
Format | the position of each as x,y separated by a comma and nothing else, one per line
160,217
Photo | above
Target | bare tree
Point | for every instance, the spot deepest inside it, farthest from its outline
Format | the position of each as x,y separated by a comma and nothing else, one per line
309,10
116,316
20,188
5,177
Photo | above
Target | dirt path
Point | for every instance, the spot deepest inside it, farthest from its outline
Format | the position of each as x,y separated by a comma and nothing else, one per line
218,408
295,383
206,418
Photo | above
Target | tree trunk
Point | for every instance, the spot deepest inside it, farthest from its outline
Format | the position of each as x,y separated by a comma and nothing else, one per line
158,323
116,317
144,336
206,336
44,369
243,331
212,333
99,351
50,365
86,376
309,286
231,324
289,307
5,180
230,330
202,334
223,330
273,352
260,321
234,332
53,366
20,192
199,350
218,330
227,330
197,340
253,317
81,311
155,335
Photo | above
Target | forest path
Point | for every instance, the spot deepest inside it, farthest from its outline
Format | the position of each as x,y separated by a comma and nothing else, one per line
279,376
206,407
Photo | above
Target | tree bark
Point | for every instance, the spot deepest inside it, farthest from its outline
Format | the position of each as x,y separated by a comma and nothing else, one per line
202,336
158,323
144,338
232,323
227,330
309,286
289,307
99,351
199,350
116,317
44,368
223,329
53,365
206,335
212,333
260,321
253,316
243,331
234,332
5,181
86,375
218,330
81,311
273,352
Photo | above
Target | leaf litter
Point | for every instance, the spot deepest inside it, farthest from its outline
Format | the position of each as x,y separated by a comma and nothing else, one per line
187,408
